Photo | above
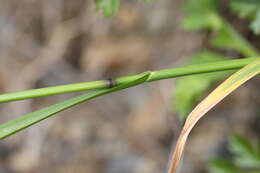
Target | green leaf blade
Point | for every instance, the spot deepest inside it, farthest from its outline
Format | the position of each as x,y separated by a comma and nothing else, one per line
13,126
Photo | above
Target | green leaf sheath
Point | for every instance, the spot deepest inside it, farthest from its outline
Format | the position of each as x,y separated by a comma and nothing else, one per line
155,75
13,126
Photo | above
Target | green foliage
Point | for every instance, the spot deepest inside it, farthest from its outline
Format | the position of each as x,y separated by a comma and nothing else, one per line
109,7
201,14
204,14
249,9
247,154
255,25
228,39
223,166
191,88
246,157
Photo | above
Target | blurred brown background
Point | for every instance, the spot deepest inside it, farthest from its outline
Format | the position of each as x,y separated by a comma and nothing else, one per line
54,42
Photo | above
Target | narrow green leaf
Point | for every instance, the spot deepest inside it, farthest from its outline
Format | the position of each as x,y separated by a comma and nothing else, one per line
13,126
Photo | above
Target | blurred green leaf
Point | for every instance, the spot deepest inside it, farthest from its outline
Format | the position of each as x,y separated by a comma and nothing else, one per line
255,25
227,38
241,146
246,159
258,148
245,8
223,166
246,154
191,88
249,9
109,7
201,14
204,14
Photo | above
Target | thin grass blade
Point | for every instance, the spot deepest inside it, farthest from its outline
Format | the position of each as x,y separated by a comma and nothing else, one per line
233,82
13,126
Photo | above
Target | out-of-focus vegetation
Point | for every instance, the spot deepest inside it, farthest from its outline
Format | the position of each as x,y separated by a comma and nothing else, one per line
248,9
205,15
110,7
246,157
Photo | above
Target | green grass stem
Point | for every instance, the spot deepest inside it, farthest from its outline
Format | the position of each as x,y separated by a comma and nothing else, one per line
154,76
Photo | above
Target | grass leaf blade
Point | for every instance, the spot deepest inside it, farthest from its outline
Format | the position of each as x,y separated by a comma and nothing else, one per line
13,126
233,82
